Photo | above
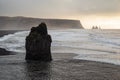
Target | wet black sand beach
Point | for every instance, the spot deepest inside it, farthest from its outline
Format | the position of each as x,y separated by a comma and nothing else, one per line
63,67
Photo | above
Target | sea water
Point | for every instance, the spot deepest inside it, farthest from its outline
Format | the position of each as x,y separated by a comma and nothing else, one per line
94,45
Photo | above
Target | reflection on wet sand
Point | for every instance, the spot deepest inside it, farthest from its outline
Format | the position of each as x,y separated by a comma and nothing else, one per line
38,70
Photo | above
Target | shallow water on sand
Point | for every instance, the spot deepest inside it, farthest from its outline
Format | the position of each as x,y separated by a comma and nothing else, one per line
96,45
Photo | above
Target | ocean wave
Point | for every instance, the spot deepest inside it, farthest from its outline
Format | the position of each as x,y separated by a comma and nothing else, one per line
92,45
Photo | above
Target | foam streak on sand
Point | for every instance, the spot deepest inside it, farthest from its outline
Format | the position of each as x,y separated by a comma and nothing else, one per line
96,45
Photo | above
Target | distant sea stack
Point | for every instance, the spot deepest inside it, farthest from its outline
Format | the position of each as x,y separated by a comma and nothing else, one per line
25,23
38,44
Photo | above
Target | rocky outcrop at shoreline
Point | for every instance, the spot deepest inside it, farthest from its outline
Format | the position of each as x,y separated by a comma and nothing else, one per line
4,52
38,44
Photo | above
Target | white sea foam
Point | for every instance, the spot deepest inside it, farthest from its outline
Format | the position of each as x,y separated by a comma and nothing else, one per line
14,42
94,45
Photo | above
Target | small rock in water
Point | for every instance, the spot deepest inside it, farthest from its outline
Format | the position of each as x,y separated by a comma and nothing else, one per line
38,44
4,52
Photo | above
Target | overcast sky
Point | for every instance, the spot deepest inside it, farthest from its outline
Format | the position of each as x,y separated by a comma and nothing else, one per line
73,9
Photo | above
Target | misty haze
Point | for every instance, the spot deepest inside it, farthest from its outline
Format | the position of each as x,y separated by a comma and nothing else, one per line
60,40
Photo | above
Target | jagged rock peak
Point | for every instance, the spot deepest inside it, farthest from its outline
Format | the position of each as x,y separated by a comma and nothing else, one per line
38,44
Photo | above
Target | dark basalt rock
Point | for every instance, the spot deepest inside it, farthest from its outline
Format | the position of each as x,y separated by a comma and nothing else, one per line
38,44
4,52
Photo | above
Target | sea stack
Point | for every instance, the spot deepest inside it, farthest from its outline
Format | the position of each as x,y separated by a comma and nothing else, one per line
38,44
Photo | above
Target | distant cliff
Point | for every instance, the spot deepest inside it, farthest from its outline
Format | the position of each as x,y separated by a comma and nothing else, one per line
25,23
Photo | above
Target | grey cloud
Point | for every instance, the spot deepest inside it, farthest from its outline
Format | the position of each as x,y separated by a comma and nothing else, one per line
96,6
58,7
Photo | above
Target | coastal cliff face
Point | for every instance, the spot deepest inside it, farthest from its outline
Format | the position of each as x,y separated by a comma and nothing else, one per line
25,23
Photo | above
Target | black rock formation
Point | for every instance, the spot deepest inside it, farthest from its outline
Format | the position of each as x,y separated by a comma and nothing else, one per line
4,52
38,44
